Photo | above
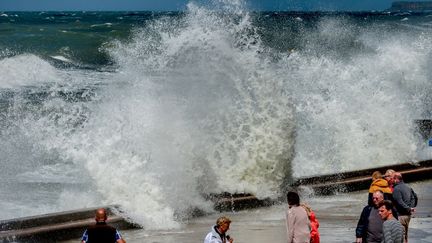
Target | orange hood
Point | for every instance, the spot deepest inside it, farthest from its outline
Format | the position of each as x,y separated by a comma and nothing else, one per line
380,185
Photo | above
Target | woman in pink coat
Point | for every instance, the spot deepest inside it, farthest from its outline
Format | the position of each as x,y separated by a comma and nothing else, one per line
298,225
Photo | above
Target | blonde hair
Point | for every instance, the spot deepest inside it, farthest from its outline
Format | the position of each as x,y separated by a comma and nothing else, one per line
223,220
390,172
376,175
306,207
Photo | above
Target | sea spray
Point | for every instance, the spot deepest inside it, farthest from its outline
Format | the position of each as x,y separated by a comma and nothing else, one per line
191,113
358,112
206,101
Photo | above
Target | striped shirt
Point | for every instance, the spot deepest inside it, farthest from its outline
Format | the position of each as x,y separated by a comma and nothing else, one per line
392,231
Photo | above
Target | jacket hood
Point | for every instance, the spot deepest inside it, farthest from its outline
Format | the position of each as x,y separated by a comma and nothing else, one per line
380,185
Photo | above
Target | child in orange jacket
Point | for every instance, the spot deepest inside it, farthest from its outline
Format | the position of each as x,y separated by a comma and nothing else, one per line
379,184
314,224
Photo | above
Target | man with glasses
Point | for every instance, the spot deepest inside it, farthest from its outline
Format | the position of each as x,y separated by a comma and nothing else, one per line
370,225
388,176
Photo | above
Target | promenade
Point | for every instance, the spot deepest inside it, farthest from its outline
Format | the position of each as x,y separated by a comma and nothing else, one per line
338,215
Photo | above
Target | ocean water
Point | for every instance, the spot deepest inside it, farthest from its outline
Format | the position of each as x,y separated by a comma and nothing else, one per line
153,111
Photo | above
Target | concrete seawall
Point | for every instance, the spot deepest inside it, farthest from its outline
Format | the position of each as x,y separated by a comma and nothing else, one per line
71,224
361,179
56,226
329,184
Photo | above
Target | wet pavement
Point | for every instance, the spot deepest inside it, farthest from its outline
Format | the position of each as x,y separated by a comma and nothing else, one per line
338,216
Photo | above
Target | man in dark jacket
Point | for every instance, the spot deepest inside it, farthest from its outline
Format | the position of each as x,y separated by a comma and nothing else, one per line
370,225
405,200
101,232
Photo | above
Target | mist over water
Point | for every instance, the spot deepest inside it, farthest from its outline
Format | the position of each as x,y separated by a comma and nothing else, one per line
209,101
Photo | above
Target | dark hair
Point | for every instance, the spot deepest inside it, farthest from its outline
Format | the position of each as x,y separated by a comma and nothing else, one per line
387,204
293,198
398,176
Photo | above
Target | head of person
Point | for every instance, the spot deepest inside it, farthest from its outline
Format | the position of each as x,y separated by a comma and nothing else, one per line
385,209
223,224
293,199
397,177
101,215
377,198
389,176
376,175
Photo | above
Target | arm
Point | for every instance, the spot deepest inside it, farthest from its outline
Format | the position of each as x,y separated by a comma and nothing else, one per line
397,197
119,238
387,237
84,238
362,224
290,226
229,239
414,198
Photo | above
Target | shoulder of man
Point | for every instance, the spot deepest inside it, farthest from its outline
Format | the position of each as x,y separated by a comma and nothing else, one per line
367,209
99,226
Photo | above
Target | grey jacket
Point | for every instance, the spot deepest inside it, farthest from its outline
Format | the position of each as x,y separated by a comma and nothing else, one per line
404,198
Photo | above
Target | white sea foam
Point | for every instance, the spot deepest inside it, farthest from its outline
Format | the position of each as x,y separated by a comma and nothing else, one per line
189,114
359,113
53,173
197,107
25,69
61,58
101,25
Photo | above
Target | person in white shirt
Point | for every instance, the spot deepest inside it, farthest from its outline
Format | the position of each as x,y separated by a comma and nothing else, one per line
217,233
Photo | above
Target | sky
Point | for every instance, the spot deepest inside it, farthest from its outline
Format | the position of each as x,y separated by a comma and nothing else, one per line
169,5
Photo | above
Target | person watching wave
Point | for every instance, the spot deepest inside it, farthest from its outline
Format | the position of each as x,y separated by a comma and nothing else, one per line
379,184
217,233
297,220
101,232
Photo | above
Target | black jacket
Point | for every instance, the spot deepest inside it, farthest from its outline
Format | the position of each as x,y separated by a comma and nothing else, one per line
101,233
